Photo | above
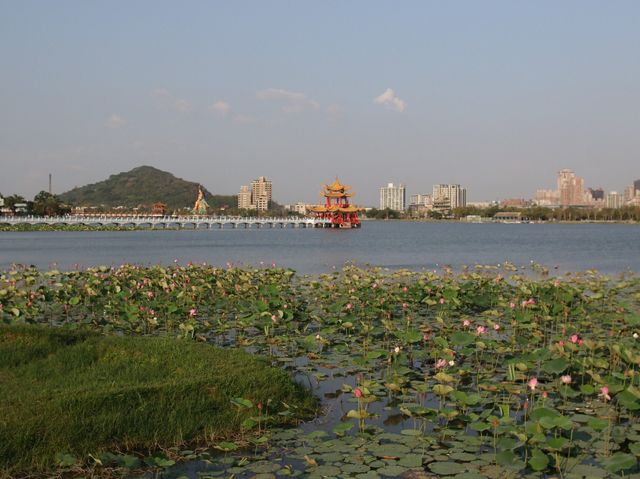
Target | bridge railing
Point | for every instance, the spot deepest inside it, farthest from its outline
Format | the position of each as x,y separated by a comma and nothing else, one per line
144,219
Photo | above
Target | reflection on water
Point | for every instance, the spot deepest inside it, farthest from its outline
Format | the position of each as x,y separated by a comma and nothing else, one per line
562,247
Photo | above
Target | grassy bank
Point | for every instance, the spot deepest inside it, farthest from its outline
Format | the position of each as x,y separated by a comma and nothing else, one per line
80,393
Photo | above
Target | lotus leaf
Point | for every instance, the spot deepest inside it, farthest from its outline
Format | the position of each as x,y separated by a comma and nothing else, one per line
447,468
539,461
442,389
619,461
509,459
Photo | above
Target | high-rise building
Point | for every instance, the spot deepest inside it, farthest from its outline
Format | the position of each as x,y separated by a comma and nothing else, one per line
597,194
570,188
636,185
244,198
614,200
448,197
420,200
261,193
629,193
393,197
258,197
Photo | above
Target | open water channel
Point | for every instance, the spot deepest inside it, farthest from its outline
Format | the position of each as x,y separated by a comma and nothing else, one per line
608,248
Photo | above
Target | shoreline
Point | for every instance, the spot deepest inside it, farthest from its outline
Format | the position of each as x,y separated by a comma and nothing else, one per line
79,228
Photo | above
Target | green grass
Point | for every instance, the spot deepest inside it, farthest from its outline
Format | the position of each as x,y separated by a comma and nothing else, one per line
80,393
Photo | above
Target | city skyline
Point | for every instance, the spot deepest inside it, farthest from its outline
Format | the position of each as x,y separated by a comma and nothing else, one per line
495,96
571,191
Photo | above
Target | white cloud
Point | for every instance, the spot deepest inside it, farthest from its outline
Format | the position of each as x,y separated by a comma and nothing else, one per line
293,102
221,107
115,121
390,100
168,101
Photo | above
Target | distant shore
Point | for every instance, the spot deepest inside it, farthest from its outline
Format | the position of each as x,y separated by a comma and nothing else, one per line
23,228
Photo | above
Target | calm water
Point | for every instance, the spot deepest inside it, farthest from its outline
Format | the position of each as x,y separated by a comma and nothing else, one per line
568,247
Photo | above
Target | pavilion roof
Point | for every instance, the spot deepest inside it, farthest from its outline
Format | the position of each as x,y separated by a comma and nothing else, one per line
336,186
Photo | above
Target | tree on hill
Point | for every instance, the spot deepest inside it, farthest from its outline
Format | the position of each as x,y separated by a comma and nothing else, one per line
141,188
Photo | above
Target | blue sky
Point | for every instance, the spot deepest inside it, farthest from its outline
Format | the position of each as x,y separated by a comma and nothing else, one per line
495,95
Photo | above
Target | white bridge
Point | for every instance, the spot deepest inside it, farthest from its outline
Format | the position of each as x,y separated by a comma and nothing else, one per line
180,222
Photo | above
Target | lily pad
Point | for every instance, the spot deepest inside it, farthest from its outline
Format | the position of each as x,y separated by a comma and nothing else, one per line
619,461
447,468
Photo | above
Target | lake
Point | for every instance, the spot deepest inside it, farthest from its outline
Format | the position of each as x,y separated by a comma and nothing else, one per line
609,248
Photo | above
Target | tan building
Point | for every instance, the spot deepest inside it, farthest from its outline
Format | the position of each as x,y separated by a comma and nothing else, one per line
547,198
514,203
258,197
421,200
629,193
261,193
448,197
244,198
570,188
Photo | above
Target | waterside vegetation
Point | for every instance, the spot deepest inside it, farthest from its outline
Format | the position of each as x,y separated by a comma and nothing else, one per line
77,394
483,373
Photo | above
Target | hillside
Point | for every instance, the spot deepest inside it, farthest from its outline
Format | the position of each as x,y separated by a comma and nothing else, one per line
141,187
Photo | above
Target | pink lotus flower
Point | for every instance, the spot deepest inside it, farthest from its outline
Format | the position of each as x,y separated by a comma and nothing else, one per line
357,392
566,379
466,323
528,302
375,285
604,393
274,318
442,300
481,329
404,290
561,343
193,312
533,382
512,305
574,338
349,306
405,305
441,363
496,327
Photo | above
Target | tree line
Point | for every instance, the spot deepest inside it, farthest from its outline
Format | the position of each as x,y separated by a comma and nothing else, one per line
533,213
43,204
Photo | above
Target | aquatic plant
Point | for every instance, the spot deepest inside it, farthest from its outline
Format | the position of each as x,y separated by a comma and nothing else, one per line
475,372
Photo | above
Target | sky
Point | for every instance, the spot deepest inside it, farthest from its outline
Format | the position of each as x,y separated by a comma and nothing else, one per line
494,95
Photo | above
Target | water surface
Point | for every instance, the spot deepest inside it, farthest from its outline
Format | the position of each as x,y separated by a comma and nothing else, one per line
561,247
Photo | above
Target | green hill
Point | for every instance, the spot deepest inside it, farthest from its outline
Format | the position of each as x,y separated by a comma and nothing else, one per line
141,187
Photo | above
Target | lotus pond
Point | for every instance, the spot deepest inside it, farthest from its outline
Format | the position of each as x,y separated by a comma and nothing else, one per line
481,373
